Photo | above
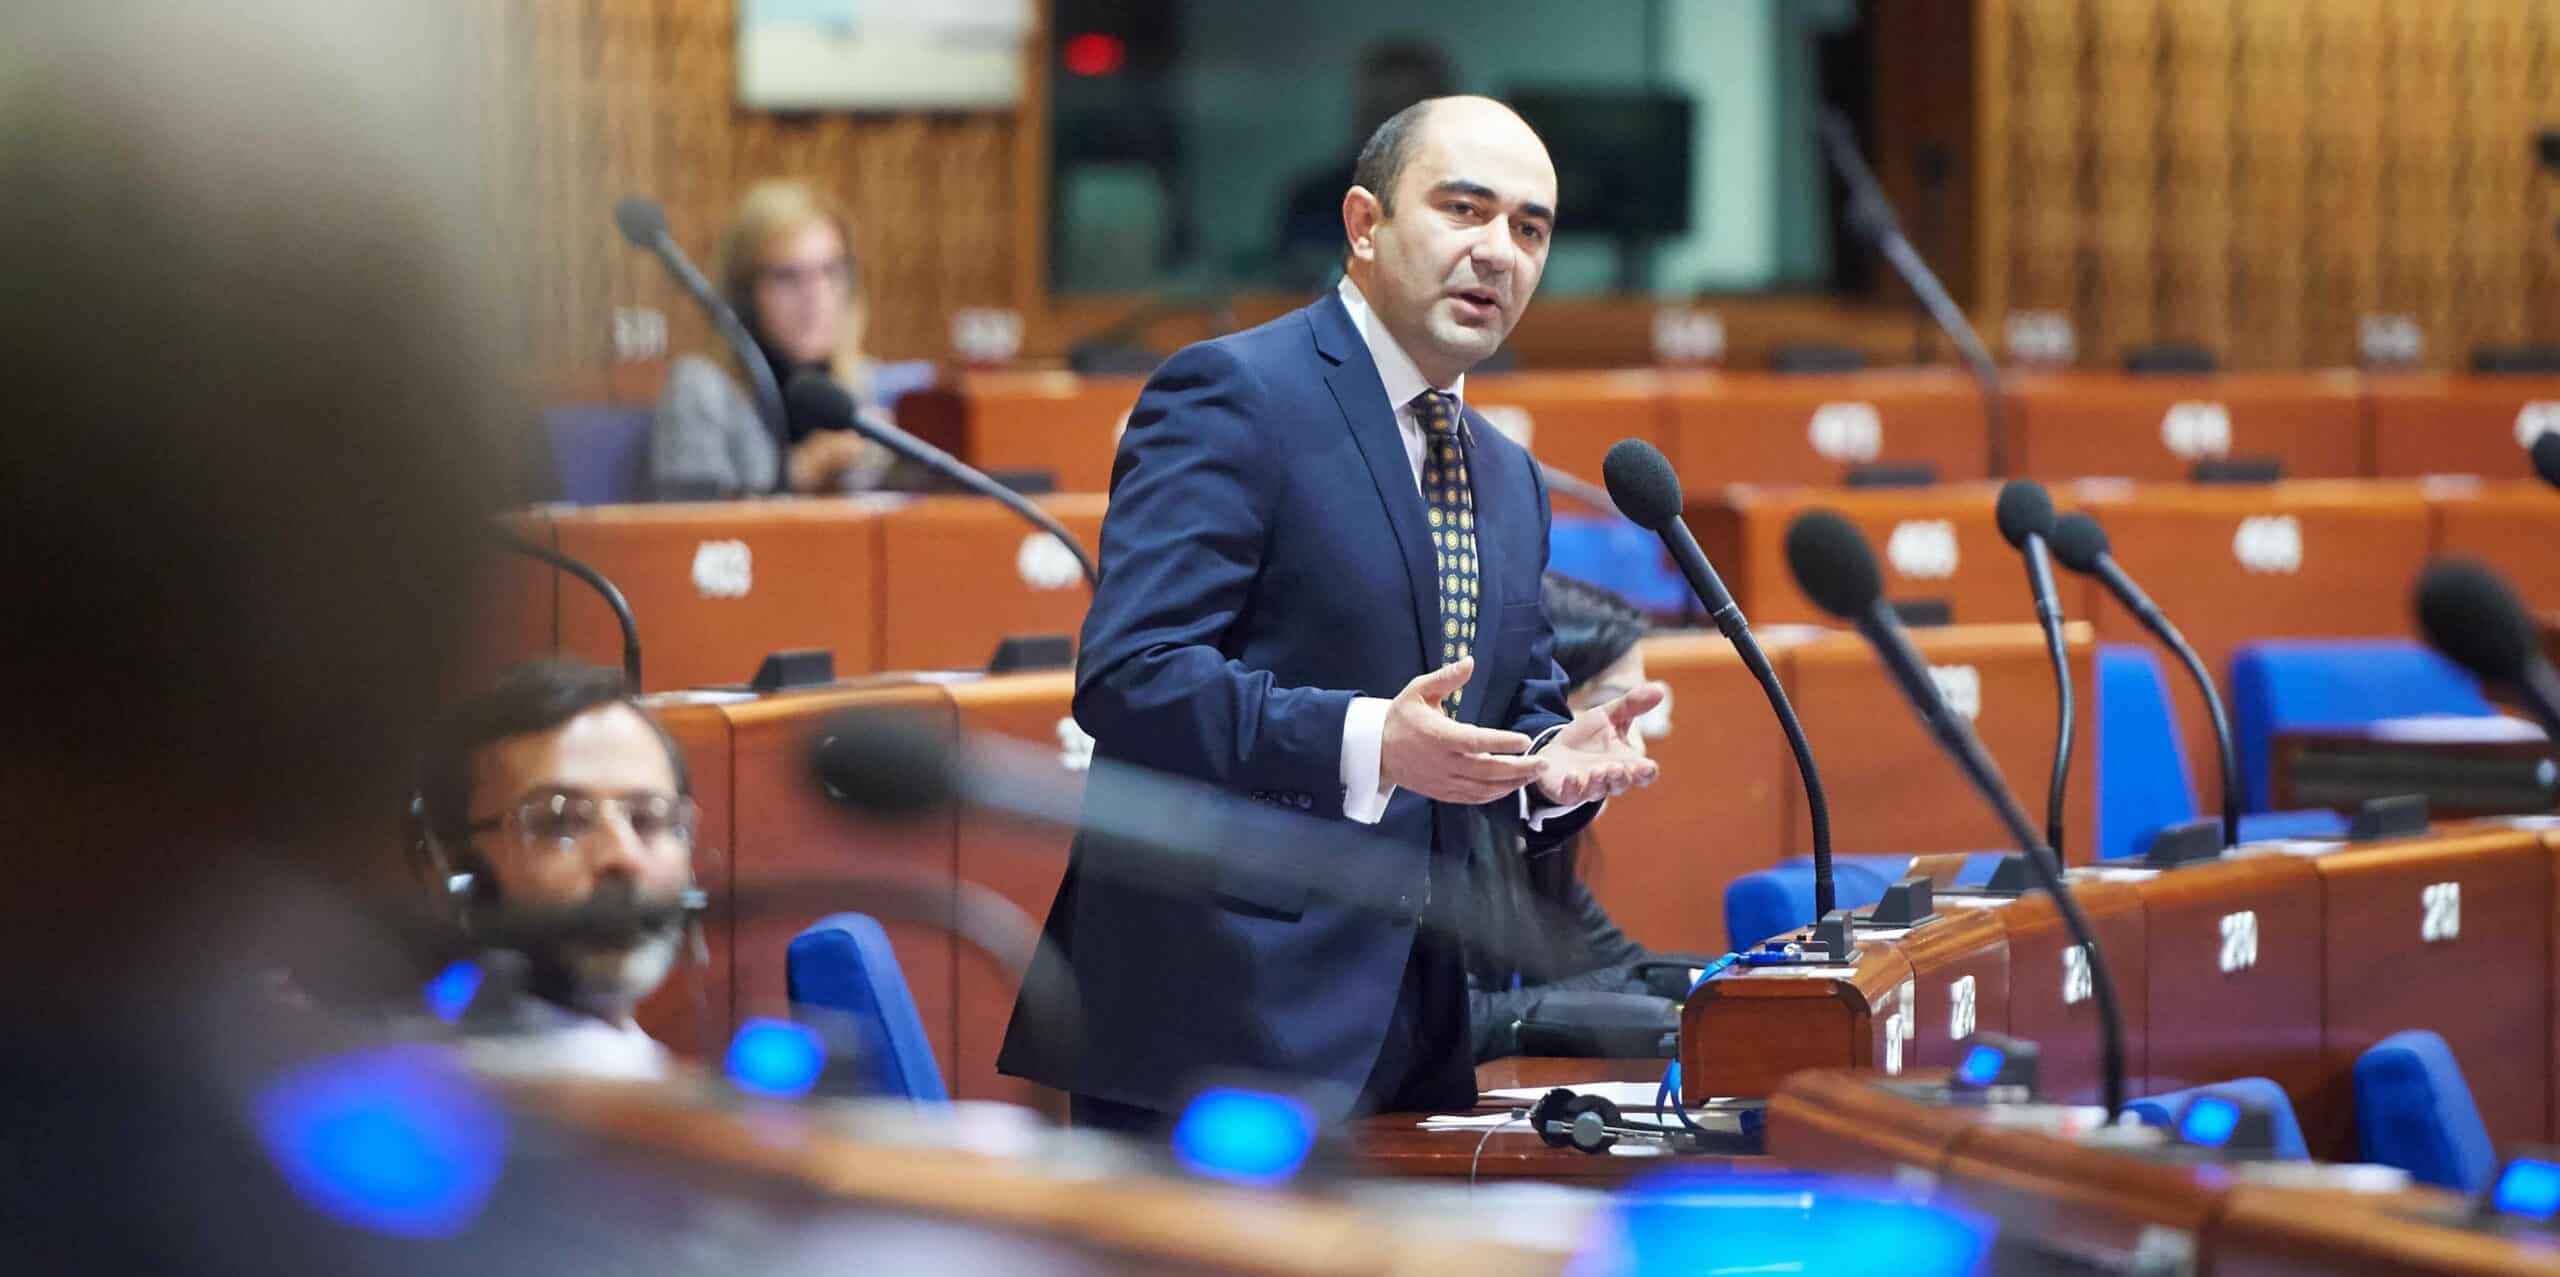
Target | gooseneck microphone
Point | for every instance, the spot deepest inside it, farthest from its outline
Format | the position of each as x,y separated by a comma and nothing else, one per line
1647,491
2471,616
2546,457
2025,515
2081,545
643,223
816,399
1871,216
596,581
1837,570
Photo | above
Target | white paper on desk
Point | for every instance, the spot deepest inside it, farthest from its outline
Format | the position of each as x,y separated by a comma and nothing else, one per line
2453,729
1626,1095
1470,1121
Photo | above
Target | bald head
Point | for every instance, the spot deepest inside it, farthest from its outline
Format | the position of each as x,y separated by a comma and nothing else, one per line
1448,217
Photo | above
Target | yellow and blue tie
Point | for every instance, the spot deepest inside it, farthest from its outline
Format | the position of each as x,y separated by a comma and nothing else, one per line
1452,510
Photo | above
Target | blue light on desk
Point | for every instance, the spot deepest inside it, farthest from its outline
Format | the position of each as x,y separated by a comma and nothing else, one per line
1981,1065
451,992
2529,1187
1252,1137
1748,1222
2209,1121
775,1057
397,1140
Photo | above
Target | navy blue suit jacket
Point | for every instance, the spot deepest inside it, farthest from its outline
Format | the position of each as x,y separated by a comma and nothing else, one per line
1265,559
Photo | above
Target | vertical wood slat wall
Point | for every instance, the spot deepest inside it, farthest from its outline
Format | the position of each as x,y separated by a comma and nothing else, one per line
592,100
2259,175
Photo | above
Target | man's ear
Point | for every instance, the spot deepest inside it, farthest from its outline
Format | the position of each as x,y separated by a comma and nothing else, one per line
1361,214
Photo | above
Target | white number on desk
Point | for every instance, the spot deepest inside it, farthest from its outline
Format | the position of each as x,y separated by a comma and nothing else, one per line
2536,419
2195,429
2440,916
2239,941
1901,1026
723,569
1847,431
2270,543
2077,983
1960,1009
1922,549
1961,687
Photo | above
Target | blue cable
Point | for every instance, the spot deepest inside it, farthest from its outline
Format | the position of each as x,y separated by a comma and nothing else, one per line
1671,1072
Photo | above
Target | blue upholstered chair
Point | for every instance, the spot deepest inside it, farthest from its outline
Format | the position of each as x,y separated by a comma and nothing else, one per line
2414,1111
2289,683
1765,902
2142,763
2163,1110
1610,552
844,980
601,451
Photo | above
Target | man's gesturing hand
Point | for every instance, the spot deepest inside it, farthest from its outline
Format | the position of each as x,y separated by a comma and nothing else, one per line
1440,758
1596,755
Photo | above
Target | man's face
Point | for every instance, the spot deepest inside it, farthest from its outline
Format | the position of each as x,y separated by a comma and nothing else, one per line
1453,268
611,758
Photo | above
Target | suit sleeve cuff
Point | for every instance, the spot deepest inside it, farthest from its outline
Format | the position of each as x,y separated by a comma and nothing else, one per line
1364,732
1534,813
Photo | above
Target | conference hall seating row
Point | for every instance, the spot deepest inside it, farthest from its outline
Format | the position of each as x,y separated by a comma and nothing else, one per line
2283,960
1732,427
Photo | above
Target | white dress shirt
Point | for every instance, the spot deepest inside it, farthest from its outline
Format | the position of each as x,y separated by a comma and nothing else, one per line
1364,727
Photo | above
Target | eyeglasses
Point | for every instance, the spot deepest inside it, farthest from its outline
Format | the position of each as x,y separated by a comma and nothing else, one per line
837,274
559,822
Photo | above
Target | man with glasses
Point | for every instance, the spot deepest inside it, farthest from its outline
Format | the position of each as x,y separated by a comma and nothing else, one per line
558,814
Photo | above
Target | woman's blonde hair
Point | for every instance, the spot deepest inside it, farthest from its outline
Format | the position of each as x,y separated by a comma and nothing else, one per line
768,211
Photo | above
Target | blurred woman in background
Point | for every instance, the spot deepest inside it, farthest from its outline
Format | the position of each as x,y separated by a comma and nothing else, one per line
785,263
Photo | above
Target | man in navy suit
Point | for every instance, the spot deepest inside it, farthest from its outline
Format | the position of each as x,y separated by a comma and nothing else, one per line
1320,590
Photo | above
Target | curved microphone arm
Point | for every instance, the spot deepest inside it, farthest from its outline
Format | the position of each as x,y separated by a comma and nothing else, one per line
977,481
1816,806
2228,758
596,581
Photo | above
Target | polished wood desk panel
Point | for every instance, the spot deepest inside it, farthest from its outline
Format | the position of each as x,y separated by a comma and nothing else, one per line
512,611
2513,528
1959,985
1891,788
2048,1007
716,586
1017,861
2460,776
1750,1028
2075,1199
1781,429
958,575
1570,420
1939,543
2233,962
2073,425
2268,1232
2457,425
701,730
1830,1120
1056,421
2231,564
1659,859
786,833
2408,925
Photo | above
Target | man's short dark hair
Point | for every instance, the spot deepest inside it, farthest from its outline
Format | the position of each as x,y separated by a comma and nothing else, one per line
1384,156
533,697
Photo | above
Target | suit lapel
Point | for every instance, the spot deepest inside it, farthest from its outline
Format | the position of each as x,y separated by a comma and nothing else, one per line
1485,485
1372,421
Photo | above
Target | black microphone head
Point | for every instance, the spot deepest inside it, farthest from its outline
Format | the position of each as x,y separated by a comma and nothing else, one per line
2471,616
815,400
885,763
1641,483
2079,542
1833,565
2024,511
640,220
2546,457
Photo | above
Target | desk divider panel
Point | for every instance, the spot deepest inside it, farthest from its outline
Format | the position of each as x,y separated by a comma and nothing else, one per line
2076,425
1829,1120
2425,424
960,574
2417,932
1018,861
1937,543
1570,420
2232,956
1960,984
1811,429
1745,1031
1060,422
2510,527
2051,1002
692,1011
2106,1209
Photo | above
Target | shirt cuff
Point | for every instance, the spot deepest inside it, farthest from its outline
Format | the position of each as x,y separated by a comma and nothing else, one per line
1535,815
1364,733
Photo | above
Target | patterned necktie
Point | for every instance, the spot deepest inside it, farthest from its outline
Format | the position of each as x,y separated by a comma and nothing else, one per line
1452,507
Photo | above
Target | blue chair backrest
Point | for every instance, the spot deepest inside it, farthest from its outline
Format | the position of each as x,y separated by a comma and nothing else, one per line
2142,763
1610,552
844,980
2164,1110
1764,902
601,450
2414,1111
2282,683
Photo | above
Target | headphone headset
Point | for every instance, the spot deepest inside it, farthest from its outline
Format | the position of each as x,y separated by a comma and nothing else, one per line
1592,1124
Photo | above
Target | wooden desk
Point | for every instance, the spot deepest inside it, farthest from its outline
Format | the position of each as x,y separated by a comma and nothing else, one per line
1892,789
2460,776
2410,923
1746,1031
716,586
2051,1008
512,611
2513,528
1939,543
960,574
2233,969
1777,429
701,730
2077,1200
1056,421
2425,424
2233,564
2073,425
1570,419
2266,1232
1019,862
1832,1120
1660,858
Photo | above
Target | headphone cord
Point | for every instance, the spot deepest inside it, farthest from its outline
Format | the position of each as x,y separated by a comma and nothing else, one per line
1671,1071
1473,1163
